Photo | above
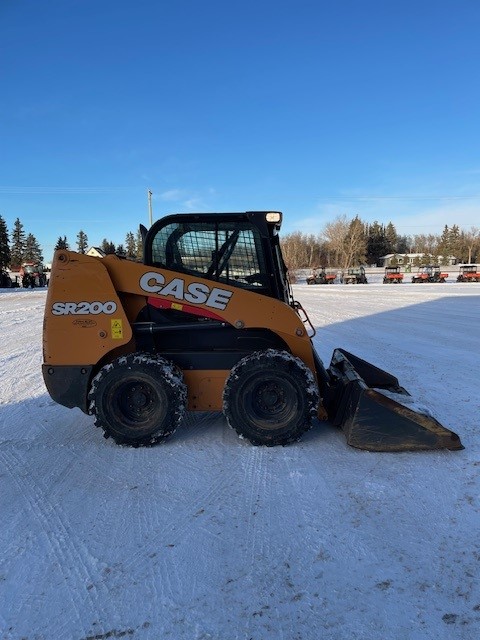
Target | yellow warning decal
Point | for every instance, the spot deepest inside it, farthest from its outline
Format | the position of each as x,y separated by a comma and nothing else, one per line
117,329
177,306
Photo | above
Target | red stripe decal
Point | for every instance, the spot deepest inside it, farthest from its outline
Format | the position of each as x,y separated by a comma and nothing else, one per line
163,303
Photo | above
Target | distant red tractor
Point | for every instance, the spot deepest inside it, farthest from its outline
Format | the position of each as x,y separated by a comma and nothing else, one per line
32,275
429,273
469,273
393,275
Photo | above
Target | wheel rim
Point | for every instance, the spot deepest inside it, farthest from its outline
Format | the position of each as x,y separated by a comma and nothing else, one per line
135,401
272,403
137,405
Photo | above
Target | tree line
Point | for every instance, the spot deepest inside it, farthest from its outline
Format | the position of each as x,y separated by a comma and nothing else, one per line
19,248
342,243
132,249
345,243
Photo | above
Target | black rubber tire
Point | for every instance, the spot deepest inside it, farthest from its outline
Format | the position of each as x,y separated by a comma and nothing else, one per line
270,398
138,400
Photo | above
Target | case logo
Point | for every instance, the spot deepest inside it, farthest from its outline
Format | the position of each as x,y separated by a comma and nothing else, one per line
194,293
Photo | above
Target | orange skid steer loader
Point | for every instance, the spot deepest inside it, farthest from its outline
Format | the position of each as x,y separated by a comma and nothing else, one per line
208,323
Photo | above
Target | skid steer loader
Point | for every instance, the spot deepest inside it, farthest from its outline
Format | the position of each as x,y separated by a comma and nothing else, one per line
207,322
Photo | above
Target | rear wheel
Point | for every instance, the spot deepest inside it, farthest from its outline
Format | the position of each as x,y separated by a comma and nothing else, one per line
138,400
270,398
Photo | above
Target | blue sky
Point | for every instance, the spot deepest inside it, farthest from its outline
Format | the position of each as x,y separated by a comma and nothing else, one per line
314,108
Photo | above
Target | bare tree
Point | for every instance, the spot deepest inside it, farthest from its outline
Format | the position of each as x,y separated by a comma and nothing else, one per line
346,241
355,244
426,243
472,241
301,250
335,233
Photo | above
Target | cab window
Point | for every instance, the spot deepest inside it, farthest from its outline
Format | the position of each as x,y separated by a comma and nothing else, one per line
227,252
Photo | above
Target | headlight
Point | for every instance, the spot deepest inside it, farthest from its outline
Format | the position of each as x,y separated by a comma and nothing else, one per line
273,216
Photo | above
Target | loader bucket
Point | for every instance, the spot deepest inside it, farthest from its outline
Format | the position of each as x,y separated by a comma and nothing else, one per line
372,409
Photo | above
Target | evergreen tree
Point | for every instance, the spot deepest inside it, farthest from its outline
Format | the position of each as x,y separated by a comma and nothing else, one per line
449,244
403,244
455,241
131,247
120,251
392,238
428,259
107,246
4,245
82,242
18,244
443,246
62,243
33,252
377,243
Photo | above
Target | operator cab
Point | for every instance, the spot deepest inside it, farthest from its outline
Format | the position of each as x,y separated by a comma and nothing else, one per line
237,249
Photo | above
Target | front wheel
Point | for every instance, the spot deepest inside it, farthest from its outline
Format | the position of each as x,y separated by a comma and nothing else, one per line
270,398
138,400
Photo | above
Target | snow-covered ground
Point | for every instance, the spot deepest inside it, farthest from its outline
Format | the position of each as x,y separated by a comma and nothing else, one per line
207,537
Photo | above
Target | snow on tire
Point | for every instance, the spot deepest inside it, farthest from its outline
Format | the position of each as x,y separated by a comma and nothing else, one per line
270,398
138,399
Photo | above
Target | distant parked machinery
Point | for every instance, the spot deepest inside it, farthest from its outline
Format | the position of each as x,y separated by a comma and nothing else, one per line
469,273
33,275
393,275
429,273
355,275
320,276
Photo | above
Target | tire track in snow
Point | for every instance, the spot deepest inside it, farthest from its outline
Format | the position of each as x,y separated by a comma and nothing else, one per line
21,373
274,578
12,312
267,562
63,544
21,325
181,523
255,478
40,515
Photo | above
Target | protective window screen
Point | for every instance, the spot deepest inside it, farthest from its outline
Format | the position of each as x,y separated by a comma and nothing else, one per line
227,252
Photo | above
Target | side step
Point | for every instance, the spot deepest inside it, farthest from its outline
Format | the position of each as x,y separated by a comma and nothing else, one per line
359,400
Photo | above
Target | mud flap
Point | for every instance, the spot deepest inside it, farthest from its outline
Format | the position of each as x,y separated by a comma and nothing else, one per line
360,401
